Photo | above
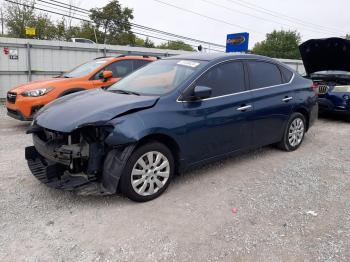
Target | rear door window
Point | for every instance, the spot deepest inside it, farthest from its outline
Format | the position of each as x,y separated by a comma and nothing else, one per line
263,74
121,68
224,79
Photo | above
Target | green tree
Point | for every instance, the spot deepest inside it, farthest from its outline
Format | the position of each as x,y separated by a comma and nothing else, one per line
144,42
149,43
114,22
347,36
21,14
88,31
139,41
18,17
45,28
279,44
176,45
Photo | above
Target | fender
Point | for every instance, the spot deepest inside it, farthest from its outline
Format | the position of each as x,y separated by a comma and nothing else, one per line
131,129
126,135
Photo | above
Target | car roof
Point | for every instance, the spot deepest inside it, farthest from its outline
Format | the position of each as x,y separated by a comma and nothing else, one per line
126,57
219,56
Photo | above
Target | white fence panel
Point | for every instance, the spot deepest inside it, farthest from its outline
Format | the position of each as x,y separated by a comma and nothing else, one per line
40,59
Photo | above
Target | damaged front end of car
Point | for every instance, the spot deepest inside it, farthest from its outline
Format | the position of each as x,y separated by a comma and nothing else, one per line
70,140
79,161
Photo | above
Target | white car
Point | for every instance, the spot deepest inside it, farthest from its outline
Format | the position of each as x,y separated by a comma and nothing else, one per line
82,40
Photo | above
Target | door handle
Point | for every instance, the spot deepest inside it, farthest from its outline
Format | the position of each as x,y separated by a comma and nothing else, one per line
244,108
287,98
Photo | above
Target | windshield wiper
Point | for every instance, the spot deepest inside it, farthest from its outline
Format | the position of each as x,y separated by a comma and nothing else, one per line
126,92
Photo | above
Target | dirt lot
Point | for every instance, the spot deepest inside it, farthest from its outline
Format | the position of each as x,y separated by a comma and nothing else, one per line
264,205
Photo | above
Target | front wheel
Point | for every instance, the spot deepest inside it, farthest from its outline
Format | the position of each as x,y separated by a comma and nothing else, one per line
294,133
148,172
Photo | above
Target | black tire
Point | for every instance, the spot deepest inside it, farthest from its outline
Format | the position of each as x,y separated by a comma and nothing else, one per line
348,118
285,144
125,185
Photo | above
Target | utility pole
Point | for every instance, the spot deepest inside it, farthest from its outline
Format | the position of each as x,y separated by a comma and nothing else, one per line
70,14
2,22
95,34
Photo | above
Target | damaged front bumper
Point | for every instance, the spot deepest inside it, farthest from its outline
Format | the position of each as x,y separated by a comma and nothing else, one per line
52,174
79,162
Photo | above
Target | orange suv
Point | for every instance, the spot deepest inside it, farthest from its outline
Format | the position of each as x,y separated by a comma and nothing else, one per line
25,100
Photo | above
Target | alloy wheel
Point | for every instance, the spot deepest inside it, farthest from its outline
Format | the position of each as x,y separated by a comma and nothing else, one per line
296,132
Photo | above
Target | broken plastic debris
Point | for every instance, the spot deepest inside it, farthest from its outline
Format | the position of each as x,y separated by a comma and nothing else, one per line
312,213
234,210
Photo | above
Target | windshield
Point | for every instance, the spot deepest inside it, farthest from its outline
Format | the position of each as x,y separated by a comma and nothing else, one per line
84,69
159,77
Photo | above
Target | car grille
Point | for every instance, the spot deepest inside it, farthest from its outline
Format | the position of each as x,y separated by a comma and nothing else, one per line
323,89
11,97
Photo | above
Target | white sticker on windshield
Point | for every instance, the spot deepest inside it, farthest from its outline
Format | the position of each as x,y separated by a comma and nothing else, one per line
188,63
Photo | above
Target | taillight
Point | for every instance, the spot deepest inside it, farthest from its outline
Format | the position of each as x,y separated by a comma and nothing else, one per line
314,88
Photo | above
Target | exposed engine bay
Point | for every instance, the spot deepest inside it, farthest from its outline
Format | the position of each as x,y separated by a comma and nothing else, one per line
78,161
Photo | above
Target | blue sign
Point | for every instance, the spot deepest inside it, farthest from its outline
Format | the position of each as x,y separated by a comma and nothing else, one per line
237,42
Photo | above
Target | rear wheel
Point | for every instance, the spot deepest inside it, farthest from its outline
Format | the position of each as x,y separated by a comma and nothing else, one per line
148,172
294,133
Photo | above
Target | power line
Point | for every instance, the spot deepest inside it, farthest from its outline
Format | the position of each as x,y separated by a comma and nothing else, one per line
170,40
59,9
281,16
205,16
284,15
63,5
89,21
143,27
177,36
258,17
72,6
45,10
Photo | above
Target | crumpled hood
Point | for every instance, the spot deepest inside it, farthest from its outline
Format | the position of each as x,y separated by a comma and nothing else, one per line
52,82
326,54
88,107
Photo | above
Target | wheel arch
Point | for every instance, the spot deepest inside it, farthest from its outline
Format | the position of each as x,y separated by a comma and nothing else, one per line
306,114
168,141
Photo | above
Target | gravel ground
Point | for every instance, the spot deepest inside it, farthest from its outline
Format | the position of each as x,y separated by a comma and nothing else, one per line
264,205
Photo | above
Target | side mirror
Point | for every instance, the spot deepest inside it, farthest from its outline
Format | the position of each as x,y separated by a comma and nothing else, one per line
105,75
201,92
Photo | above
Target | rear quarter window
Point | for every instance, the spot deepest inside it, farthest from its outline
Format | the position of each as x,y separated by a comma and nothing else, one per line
263,74
286,74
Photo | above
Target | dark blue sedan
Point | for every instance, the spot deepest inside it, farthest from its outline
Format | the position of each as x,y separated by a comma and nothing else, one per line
170,115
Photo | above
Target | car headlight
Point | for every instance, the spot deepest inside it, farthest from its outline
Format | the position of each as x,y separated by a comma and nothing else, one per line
37,92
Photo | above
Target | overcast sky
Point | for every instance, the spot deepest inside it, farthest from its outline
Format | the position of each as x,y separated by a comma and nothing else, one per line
320,18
